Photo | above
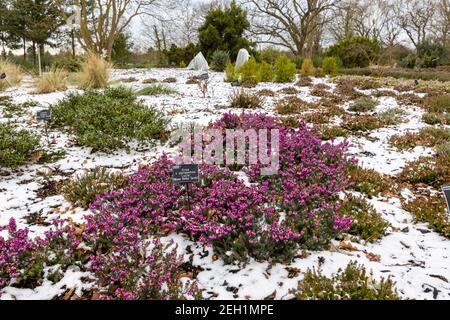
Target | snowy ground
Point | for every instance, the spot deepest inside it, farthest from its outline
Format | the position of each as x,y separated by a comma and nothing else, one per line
416,258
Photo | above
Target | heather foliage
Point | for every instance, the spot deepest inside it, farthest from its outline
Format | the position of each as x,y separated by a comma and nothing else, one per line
352,283
106,121
16,146
23,260
81,190
267,221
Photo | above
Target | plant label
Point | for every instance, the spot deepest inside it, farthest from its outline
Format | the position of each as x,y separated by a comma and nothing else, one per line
185,173
3,76
446,191
235,83
43,115
204,76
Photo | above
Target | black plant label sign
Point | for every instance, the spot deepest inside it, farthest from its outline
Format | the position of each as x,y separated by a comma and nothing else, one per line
204,76
2,76
43,115
185,173
235,83
446,191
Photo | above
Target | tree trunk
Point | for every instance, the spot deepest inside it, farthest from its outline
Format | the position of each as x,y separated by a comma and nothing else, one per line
24,50
72,35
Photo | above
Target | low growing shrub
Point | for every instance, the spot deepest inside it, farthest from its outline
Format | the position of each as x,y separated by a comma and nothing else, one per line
156,90
245,100
392,116
363,104
107,120
82,190
367,224
16,146
432,171
428,137
353,283
431,210
361,123
367,181
291,105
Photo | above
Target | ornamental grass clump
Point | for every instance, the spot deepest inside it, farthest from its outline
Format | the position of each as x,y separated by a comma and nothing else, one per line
13,74
245,100
55,80
94,72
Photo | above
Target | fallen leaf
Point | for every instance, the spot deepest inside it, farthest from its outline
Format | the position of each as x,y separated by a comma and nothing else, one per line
347,246
372,256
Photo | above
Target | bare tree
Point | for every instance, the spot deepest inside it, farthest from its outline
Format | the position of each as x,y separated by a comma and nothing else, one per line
441,25
292,24
415,18
100,21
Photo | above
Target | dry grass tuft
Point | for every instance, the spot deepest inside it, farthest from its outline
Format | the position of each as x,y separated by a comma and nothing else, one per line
13,74
55,80
94,72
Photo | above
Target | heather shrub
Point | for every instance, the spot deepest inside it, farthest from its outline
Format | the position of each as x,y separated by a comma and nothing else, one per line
433,171
245,100
307,69
130,272
170,80
94,72
219,60
156,90
55,80
361,123
23,259
16,146
304,82
434,118
291,105
332,132
443,150
150,81
13,74
237,220
438,104
367,224
352,283
81,190
288,90
363,104
285,70
329,66
431,210
428,137
392,116
367,181
107,120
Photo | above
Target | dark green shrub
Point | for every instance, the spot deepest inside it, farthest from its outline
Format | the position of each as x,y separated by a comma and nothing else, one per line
107,120
355,52
81,191
16,146
219,60
353,283
367,224
335,131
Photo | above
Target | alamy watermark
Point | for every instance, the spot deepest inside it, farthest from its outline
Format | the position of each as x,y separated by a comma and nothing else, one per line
230,147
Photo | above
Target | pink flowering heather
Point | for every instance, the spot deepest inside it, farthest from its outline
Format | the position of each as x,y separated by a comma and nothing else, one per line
22,259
